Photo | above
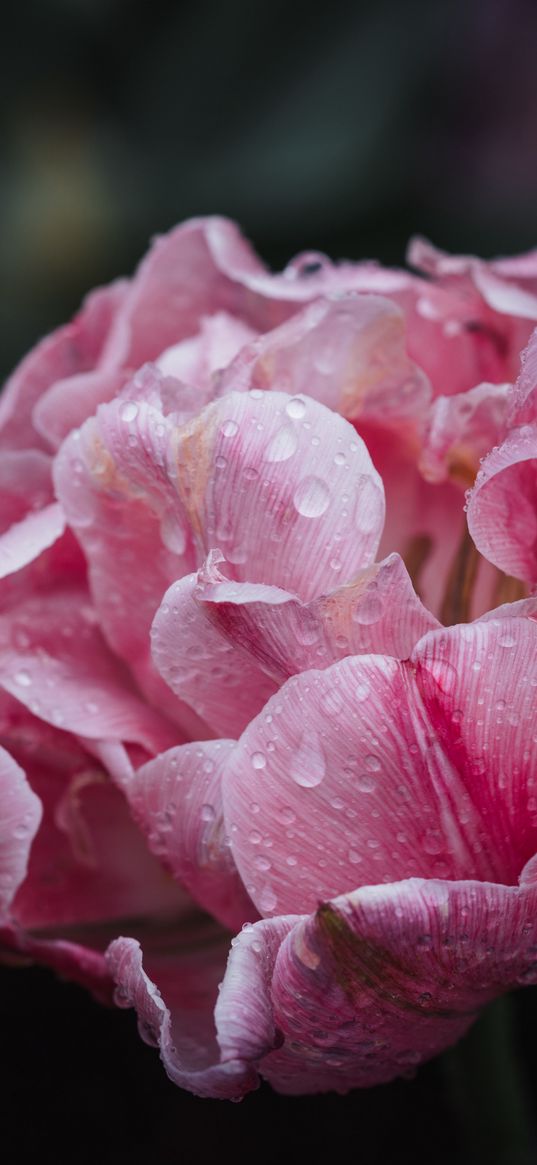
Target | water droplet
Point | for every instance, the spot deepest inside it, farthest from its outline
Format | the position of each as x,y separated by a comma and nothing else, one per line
128,411
366,783
362,691
261,863
339,459
255,837
229,429
207,813
311,497
354,857
433,842
267,900
283,444
296,408
368,610
286,815
308,766
373,763
259,760
220,462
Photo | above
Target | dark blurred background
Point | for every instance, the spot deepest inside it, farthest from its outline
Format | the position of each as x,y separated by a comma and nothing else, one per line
345,129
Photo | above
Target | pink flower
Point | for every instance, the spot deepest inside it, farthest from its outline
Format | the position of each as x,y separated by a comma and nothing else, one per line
252,662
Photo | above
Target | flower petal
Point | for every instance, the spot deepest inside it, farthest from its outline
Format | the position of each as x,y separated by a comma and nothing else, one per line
380,980
54,661
175,1001
26,540
74,348
382,770
502,507
283,486
378,612
220,683
177,801
20,815
461,431
348,353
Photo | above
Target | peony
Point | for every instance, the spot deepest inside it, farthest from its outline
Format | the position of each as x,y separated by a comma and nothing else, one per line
264,670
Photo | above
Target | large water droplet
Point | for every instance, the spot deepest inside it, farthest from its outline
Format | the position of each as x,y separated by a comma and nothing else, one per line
259,760
308,766
23,678
311,497
229,429
283,444
296,408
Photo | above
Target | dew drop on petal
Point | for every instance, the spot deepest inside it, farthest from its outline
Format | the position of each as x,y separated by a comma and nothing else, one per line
283,444
295,408
311,497
128,411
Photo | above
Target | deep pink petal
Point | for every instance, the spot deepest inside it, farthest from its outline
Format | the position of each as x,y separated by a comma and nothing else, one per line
375,770
70,960
220,683
381,980
177,801
211,1050
284,487
20,815
89,864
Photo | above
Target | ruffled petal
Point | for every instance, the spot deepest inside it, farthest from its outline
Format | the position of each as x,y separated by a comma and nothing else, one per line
211,1050
380,980
218,681
196,359
378,612
177,801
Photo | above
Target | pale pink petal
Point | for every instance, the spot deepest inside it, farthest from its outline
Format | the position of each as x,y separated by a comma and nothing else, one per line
67,403
196,359
502,507
461,431
200,267
375,770
377,612
211,1050
70,350
20,815
54,660
508,286
220,683
380,980
113,485
26,540
349,354
177,802
524,395
283,487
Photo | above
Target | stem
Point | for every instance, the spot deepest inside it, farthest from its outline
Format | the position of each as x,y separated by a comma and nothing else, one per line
488,1091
